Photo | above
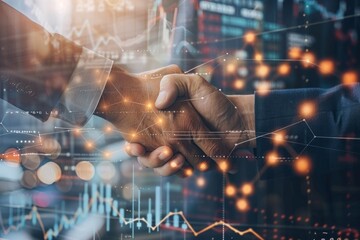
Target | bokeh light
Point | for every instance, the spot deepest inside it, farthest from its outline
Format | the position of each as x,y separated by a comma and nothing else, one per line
279,138
249,37
49,173
307,109
295,53
200,181
230,190
284,69
308,59
302,165
349,78
12,156
85,170
247,189
262,71
242,205
326,67
272,158
239,84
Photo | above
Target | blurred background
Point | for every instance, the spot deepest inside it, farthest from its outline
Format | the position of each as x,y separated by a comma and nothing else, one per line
93,190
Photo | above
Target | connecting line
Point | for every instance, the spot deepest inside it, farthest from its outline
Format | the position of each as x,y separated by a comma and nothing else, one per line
212,60
77,214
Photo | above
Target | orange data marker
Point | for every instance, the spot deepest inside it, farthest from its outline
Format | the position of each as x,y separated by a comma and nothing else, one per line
302,165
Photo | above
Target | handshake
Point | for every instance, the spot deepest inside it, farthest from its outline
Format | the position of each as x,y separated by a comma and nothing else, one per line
176,123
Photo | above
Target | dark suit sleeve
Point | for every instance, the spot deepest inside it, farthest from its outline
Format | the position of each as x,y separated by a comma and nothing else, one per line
329,137
35,66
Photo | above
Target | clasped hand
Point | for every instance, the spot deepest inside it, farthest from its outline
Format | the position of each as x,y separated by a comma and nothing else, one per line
176,122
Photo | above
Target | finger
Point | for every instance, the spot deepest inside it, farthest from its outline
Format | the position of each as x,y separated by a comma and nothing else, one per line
156,158
135,149
172,166
178,85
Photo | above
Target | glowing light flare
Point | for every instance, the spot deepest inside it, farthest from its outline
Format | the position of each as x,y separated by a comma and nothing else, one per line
231,68
106,155
258,57
349,78
308,59
77,132
224,165
203,166
149,105
272,159
188,172
242,205
302,165
200,182
239,84
249,37
108,129
230,190
295,53
284,69
263,88
247,189
326,67
262,71
160,121
89,145
11,156
49,173
307,109
279,138
85,170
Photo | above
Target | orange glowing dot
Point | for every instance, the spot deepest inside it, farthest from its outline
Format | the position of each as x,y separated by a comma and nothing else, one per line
249,37
224,166
49,173
200,181
295,53
108,129
174,164
77,132
149,105
189,172
307,109
272,159
326,67
160,120
231,68
239,84
107,155
258,57
278,138
12,156
284,69
302,165
349,78
203,166
126,100
247,189
133,135
89,145
308,59
262,71
242,204
85,170
263,88
230,190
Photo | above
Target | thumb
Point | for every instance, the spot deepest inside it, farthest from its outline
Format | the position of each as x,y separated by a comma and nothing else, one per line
171,87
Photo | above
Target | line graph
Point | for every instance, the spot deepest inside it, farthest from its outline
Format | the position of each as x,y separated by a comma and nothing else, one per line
106,206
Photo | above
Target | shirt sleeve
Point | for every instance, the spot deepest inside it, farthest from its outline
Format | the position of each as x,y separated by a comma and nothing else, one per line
320,125
82,94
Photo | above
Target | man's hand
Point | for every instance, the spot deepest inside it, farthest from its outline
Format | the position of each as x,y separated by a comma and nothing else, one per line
129,103
232,117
